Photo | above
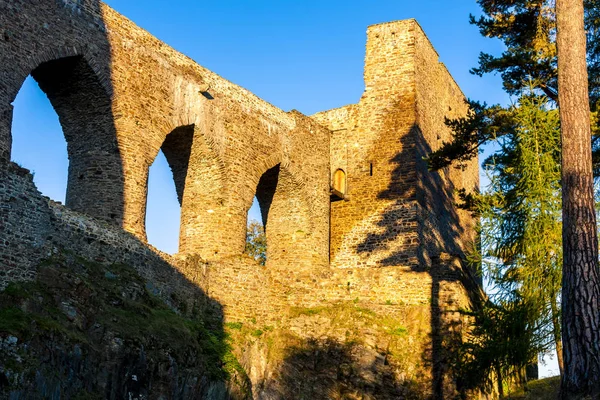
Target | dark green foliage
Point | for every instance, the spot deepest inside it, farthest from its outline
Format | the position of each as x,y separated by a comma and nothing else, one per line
481,125
14,321
521,247
256,242
528,29
502,343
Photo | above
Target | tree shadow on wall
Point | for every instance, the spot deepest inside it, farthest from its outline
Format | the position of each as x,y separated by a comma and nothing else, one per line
438,249
327,369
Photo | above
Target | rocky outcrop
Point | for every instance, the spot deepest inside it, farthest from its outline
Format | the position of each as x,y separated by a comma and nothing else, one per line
86,331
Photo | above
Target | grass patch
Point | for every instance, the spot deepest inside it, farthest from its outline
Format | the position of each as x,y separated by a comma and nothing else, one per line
399,331
234,325
541,389
308,311
366,311
14,321
257,333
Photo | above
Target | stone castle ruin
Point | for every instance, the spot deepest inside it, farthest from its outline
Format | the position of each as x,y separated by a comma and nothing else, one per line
351,211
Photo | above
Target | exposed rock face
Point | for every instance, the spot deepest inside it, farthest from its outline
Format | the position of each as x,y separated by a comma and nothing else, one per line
85,331
339,352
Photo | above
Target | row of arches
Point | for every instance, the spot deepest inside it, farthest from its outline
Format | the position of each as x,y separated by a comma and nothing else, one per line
64,131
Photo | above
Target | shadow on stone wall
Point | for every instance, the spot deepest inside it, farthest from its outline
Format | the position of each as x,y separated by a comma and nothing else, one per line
114,321
97,313
327,369
444,239
440,251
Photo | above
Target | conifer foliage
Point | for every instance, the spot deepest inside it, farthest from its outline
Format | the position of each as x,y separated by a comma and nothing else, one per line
528,30
521,250
521,224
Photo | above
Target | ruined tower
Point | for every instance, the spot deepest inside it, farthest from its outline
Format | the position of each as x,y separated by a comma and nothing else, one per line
395,218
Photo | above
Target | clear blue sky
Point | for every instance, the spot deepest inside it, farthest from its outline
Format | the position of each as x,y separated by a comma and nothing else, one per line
304,55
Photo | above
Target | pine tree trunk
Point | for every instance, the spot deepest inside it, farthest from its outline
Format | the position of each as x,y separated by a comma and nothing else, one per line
581,280
556,333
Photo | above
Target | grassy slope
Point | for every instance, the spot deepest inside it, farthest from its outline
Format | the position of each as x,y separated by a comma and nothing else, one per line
542,389
73,299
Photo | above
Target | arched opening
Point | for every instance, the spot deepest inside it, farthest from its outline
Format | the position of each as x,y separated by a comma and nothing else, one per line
284,215
166,185
38,141
256,239
338,185
94,177
265,192
163,211
258,216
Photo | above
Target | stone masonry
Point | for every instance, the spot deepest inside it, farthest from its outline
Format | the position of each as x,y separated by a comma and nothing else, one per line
393,237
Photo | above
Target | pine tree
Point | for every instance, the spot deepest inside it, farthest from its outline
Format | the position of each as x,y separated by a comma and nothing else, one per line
581,277
528,30
521,250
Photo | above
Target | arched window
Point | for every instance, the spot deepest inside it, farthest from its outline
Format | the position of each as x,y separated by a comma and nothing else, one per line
166,185
85,115
256,239
38,141
339,186
256,235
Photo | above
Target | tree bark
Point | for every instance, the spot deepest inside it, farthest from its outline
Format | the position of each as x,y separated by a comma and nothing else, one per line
581,278
556,333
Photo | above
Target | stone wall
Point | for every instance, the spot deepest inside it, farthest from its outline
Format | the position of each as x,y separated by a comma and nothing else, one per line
24,225
371,143
397,218
122,95
394,242
35,228
397,238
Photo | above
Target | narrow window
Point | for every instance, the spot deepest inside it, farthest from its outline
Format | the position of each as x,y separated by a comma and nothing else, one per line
256,239
338,190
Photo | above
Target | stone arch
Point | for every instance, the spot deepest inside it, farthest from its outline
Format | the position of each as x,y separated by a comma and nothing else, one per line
286,215
79,95
26,65
20,69
256,172
176,149
198,174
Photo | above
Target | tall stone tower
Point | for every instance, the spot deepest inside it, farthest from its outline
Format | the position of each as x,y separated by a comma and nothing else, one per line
396,233
392,211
